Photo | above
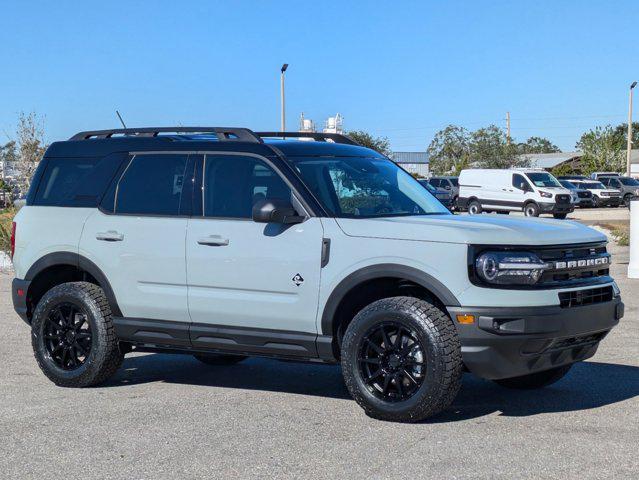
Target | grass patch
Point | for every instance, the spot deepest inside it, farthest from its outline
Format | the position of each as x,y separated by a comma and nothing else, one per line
6,217
621,232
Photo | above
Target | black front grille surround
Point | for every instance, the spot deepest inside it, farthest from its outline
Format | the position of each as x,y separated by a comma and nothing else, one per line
562,198
585,194
553,278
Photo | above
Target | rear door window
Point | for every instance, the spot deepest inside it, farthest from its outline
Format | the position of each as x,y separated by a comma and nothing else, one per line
519,182
434,182
151,185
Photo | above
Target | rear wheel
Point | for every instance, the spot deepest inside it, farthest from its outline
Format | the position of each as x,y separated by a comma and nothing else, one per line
214,359
401,359
73,337
535,380
474,207
531,210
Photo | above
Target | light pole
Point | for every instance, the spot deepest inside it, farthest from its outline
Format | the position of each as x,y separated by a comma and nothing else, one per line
283,113
629,145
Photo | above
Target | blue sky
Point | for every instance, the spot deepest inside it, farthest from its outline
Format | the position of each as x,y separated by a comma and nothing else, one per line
399,69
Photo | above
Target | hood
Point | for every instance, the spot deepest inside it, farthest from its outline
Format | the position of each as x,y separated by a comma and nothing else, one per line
473,229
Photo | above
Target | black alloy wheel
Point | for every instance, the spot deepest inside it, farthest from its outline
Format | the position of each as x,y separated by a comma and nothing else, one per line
67,336
391,361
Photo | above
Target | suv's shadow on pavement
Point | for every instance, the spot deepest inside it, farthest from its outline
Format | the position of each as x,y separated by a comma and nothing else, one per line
588,385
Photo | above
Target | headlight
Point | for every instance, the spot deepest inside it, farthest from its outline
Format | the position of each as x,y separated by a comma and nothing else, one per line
510,268
545,194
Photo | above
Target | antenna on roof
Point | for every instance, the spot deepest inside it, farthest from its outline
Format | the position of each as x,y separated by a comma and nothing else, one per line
120,117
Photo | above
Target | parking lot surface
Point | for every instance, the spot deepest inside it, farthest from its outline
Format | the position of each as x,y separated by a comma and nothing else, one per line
169,416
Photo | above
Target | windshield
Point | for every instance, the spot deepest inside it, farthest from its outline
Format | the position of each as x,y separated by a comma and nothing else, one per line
629,182
454,181
543,179
359,187
593,185
567,184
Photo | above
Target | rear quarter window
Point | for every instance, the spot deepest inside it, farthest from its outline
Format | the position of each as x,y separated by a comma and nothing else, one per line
75,181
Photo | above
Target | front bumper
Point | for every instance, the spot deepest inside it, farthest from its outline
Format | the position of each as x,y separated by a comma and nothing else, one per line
19,289
609,201
556,207
585,202
510,342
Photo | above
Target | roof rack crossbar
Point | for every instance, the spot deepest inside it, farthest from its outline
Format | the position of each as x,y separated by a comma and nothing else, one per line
224,134
317,136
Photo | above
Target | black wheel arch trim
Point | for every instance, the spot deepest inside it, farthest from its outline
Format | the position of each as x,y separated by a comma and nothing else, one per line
385,270
81,263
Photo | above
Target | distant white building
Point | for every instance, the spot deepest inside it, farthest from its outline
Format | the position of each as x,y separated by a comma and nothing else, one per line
548,161
413,162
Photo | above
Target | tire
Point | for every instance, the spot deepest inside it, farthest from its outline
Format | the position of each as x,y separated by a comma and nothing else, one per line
595,201
419,377
560,216
627,199
453,205
531,210
474,207
215,359
535,380
72,335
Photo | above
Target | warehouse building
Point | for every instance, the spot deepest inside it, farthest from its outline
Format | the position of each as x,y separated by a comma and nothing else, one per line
413,162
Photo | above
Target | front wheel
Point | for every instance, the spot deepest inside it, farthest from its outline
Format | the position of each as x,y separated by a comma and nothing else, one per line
401,359
73,337
531,210
596,202
474,207
535,380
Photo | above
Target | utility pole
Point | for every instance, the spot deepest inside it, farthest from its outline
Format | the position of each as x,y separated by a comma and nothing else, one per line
507,128
283,112
629,144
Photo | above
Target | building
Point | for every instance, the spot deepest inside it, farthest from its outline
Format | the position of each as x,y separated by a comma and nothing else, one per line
413,162
548,161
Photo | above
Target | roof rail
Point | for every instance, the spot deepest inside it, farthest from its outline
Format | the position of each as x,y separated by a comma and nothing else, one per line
317,136
224,134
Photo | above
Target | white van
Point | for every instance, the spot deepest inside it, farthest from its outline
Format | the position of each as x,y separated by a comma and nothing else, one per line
503,191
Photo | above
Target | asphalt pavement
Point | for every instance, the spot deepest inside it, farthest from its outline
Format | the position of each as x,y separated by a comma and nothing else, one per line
169,416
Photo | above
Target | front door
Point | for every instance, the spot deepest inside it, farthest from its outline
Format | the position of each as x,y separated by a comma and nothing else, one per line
250,284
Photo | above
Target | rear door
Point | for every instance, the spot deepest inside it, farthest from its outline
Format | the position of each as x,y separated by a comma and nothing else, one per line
261,280
137,237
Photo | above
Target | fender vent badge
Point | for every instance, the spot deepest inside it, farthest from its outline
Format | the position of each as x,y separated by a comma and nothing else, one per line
297,280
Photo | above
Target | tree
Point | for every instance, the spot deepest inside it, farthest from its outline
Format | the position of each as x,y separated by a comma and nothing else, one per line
449,152
27,150
621,131
379,144
602,150
8,152
537,145
490,149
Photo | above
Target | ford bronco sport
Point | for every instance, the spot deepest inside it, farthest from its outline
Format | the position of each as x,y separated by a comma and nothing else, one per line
223,243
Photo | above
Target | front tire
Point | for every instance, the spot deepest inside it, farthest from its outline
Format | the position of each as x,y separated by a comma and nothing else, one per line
73,337
531,210
535,380
596,203
401,359
474,207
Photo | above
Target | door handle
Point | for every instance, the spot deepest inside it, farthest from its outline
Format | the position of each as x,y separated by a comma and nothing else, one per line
110,236
213,241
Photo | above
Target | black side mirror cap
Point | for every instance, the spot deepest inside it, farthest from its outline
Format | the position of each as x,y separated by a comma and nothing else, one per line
275,210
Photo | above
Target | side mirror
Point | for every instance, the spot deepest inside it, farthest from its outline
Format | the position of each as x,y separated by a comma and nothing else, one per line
447,187
275,210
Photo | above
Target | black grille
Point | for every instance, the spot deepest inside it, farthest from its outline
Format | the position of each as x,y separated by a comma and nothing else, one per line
580,298
562,198
565,277
584,194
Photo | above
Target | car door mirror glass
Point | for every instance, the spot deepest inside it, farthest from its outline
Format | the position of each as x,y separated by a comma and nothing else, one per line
275,210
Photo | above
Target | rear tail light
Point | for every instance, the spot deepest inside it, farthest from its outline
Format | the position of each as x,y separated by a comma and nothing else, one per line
13,239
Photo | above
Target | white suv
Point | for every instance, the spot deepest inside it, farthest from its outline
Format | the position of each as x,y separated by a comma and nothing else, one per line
223,243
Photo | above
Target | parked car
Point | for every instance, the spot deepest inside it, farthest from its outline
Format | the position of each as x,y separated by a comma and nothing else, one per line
444,196
628,186
449,183
532,191
581,196
572,177
602,196
223,243
598,175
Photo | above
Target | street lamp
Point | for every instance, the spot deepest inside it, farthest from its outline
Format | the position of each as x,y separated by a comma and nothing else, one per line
283,113
629,144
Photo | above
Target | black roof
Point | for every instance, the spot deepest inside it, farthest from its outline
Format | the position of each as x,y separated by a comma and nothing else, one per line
104,142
